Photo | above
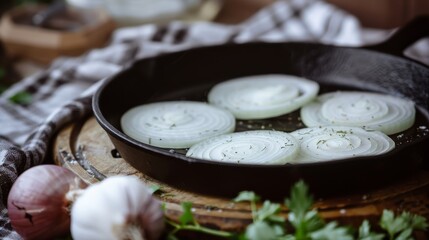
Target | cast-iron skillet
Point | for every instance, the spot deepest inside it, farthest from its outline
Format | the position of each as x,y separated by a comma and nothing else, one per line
190,74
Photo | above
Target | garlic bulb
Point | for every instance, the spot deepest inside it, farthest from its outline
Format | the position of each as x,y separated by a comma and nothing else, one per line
120,207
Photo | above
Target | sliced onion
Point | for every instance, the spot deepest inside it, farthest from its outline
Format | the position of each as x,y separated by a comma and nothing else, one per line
176,124
250,147
263,96
335,142
360,109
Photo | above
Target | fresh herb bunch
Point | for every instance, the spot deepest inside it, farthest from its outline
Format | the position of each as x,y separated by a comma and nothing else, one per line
307,224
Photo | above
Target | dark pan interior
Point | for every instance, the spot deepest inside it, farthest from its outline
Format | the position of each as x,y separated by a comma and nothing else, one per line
190,74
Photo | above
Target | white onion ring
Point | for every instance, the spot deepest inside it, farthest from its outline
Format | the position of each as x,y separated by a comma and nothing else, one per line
263,96
250,147
176,124
335,142
370,111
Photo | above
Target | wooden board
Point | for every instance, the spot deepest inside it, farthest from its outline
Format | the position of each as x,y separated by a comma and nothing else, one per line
86,149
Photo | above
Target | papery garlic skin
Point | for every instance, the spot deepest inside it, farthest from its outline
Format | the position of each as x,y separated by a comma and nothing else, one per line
119,207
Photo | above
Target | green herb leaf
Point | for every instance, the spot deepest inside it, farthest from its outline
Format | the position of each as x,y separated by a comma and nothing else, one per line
247,196
268,212
366,234
279,229
403,225
332,231
364,229
416,222
405,235
260,231
252,198
300,200
22,98
313,221
187,216
302,219
276,219
391,224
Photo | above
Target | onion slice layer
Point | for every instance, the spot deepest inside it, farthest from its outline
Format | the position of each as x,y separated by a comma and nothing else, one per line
335,142
176,124
250,147
263,96
371,111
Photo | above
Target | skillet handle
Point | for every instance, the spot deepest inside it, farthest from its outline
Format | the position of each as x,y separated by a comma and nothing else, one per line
410,33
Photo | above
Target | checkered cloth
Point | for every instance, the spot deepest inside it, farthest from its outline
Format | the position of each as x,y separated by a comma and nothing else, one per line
26,131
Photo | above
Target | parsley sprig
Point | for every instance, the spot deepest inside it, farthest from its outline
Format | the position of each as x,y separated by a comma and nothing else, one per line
302,218
187,222
402,226
306,222
267,224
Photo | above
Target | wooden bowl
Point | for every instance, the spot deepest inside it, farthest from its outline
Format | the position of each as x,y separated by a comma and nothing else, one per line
43,44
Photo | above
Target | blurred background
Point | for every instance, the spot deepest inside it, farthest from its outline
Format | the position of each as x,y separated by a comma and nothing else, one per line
379,14
34,32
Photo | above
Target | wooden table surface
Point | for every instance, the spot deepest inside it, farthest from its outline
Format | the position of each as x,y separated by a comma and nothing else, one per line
85,148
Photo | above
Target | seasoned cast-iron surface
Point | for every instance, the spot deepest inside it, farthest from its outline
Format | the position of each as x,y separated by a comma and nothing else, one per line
190,74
